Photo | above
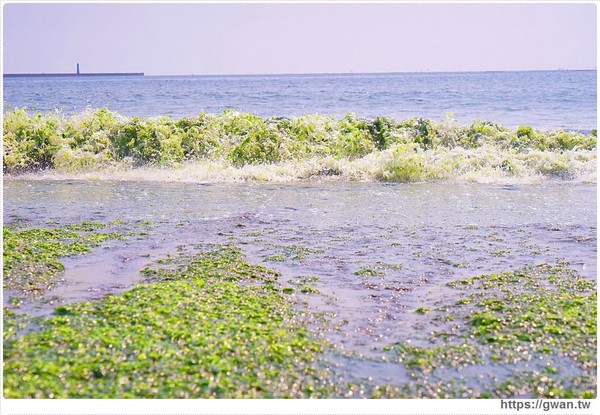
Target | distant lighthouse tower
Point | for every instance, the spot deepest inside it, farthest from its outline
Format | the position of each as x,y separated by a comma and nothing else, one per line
77,68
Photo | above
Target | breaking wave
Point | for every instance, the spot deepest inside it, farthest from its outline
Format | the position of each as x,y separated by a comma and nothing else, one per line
233,146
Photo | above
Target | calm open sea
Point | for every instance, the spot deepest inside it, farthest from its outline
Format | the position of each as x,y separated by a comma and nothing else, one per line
543,99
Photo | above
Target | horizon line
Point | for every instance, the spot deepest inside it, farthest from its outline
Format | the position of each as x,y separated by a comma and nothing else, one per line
304,73
374,73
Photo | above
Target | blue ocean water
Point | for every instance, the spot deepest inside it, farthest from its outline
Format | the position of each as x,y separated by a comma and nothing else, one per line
543,99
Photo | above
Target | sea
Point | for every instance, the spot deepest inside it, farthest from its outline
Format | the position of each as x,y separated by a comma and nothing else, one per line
373,252
543,99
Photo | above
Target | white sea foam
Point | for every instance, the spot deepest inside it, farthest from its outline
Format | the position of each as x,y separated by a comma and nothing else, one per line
485,164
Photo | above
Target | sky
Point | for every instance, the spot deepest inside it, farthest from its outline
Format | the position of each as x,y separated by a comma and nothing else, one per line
183,39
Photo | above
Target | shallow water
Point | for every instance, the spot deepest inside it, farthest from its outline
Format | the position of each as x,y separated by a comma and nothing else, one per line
378,251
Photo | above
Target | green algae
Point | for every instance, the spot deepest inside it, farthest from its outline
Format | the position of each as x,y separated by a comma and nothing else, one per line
304,285
88,226
369,272
31,256
379,269
224,263
543,313
422,310
543,309
275,258
14,323
429,359
407,151
291,253
199,317
204,325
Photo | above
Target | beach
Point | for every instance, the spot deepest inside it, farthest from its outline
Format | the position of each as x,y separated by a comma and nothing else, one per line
386,279
282,249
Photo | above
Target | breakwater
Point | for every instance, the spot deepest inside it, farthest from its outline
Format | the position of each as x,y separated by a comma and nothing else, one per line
42,75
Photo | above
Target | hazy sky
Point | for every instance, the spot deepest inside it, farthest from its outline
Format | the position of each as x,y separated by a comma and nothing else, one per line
296,38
